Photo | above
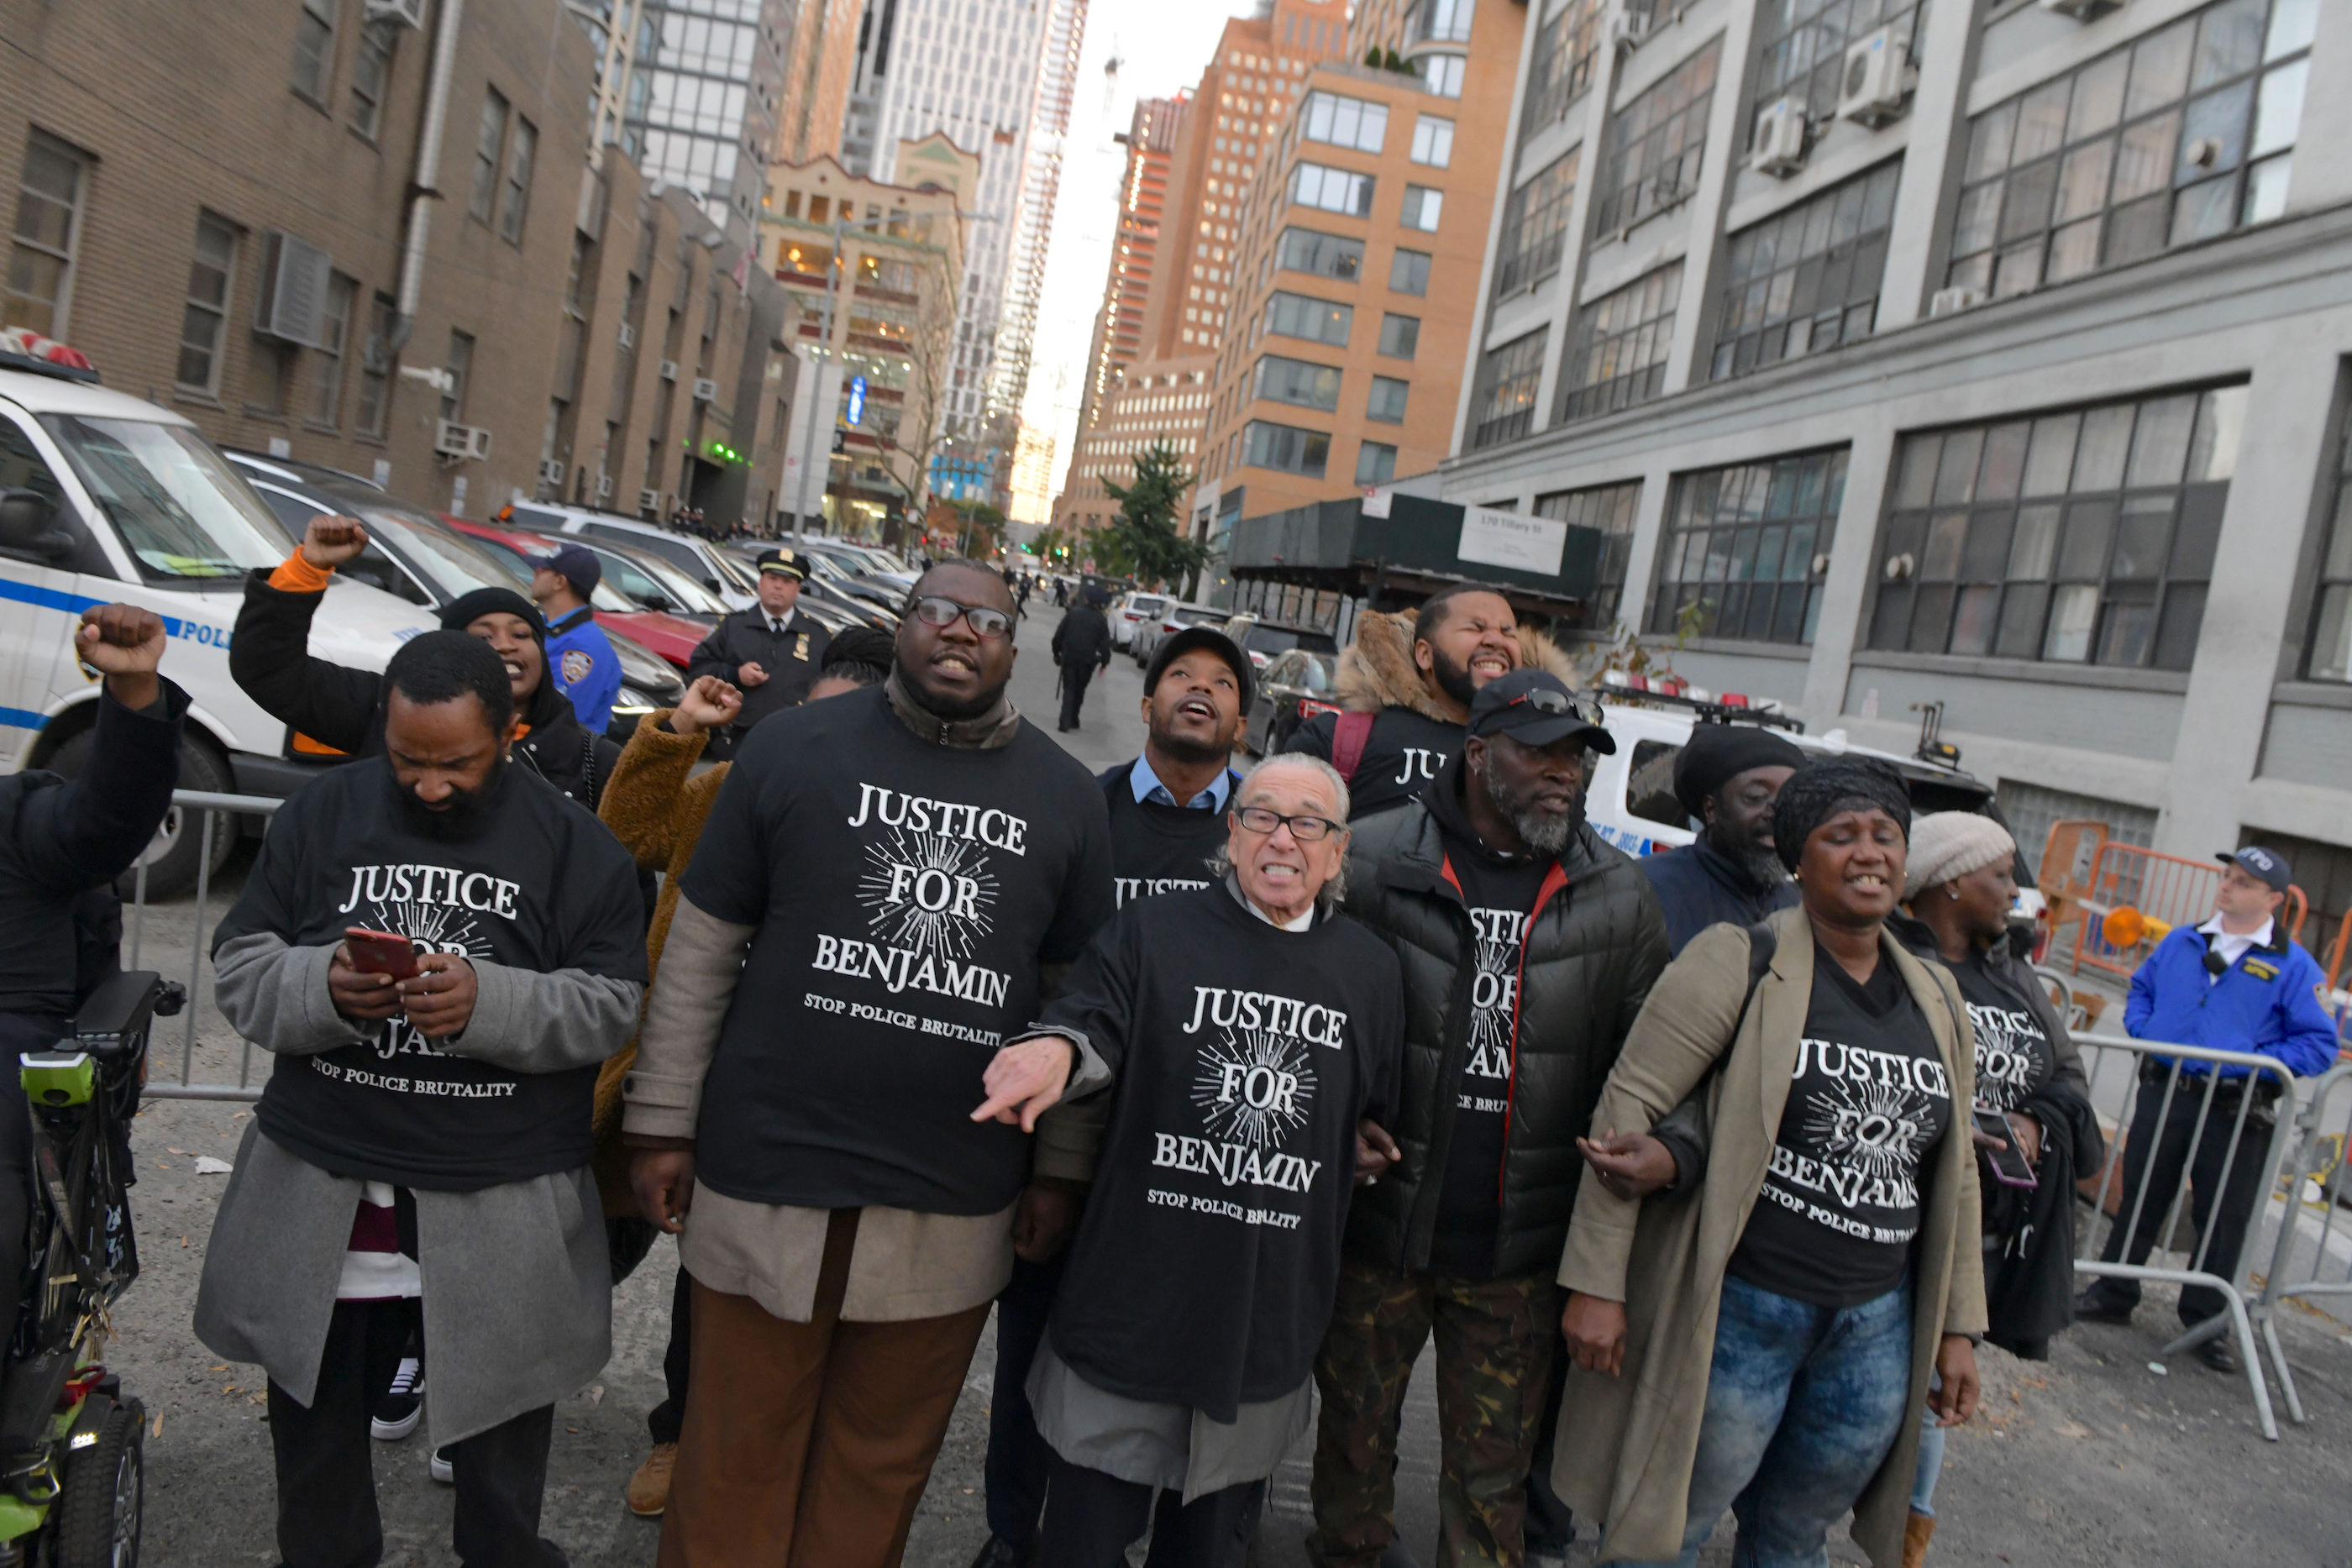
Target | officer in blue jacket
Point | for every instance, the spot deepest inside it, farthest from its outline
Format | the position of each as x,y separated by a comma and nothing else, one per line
580,657
2234,983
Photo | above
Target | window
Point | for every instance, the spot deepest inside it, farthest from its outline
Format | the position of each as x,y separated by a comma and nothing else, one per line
1442,74
520,152
201,323
1327,255
370,74
1617,356
1567,47
1399,335
1298,381
1806,279
1503,399
1440,21
49,191
1741,544
1332,190
461,366
376,366
1609,508
1375,463
1386,406
1432,141
2185,134
1801,44
2084,536
314,49
490,141
1535,225
1344,122
2330,658
1317,320
327,360
1286,447
1655,144
1409,272
1422,207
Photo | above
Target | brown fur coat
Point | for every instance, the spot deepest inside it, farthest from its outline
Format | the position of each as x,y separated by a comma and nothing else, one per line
1377,671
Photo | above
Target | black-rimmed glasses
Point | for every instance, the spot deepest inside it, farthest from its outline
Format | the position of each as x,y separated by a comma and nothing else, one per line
1306,829
937,609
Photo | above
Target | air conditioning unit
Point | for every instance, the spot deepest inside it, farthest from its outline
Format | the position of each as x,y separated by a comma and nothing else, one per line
649,500
628,336
706,389
1878,78
669,369
550,471
294,275
407,13
604,486
1778,149
451,439
1626,32
2082,10
1952,301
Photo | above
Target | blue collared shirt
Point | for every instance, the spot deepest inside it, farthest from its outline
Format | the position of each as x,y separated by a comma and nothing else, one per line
1151,791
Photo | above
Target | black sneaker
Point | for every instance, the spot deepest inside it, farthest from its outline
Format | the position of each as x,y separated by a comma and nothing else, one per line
2091,1306
397,1411
2218,1355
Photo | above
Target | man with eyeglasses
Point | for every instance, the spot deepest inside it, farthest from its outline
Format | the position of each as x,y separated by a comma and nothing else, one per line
1528,946
880,887
1254,1035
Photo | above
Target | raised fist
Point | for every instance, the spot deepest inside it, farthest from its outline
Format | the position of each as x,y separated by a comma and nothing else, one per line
708,703
331,540
125,644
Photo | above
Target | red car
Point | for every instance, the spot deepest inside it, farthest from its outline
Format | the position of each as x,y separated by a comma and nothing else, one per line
670,636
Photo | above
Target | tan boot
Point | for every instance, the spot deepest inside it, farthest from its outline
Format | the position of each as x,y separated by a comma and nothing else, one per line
1916,1532
648,1492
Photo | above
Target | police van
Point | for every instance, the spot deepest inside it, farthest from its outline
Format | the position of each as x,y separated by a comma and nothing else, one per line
106,498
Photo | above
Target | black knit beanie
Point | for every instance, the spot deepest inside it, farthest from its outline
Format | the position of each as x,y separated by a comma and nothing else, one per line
1717,753
1820,790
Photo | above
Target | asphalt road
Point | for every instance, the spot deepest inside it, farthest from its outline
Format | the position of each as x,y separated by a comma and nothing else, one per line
2095,1458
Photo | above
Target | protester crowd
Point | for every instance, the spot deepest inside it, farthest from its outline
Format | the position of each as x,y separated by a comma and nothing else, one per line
1227,1091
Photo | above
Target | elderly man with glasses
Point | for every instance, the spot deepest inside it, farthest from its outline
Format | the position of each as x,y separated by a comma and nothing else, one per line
1527,946
824,1102
1253,1034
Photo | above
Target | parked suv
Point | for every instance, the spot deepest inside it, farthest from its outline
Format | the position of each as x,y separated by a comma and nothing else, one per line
700,559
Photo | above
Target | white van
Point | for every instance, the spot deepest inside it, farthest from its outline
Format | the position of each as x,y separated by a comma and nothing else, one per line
105,499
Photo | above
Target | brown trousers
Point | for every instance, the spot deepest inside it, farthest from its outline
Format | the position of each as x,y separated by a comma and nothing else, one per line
808,1445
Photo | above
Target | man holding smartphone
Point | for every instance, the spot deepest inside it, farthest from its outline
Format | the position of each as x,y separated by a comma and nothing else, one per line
436,1122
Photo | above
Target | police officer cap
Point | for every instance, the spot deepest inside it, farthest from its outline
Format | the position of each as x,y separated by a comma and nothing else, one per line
784,563
2266,866
1717,753
1168,650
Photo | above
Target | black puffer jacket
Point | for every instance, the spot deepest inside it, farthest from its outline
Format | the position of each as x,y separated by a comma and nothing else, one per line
1591,953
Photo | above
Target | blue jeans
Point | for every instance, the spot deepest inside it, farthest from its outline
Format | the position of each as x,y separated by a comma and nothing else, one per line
1931,1464
1802,1405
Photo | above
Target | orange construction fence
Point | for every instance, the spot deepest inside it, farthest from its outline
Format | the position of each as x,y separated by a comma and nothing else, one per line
2111,903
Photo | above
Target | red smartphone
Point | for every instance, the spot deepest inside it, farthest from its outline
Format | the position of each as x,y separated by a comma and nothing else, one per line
381,953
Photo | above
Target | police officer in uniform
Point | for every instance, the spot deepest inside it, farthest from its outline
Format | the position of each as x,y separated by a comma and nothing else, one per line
770,652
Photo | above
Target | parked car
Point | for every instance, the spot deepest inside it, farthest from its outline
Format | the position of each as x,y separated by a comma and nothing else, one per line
1168,622
1132,609
670,636
826,597
1262,639
700,559
1294,687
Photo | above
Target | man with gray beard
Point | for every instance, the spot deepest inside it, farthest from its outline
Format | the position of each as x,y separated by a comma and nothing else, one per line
1527,946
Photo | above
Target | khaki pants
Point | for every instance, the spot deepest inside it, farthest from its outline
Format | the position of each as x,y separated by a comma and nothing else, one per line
808,1445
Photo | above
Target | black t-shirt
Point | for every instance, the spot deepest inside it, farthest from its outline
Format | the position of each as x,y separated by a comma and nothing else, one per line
539,885
2014,1059
1500,892
905,894
1868,1100
1157,849
1203,1270
1404,751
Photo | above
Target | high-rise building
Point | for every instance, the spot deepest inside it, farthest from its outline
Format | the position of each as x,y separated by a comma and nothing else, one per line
1040,189
707,81
817,79
1984,357
1033,476
1146,403
1340,364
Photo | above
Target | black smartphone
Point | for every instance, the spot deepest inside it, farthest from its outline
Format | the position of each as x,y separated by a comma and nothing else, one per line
2008,1162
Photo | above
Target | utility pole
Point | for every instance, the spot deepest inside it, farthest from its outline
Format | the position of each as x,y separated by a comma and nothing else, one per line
825,347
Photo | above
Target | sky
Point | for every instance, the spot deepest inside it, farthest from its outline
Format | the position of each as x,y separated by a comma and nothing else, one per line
1161,47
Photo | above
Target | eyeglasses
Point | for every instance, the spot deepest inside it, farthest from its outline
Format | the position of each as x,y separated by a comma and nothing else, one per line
937,609
1306,829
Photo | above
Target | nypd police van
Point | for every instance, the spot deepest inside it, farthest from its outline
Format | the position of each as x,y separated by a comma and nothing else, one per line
106,498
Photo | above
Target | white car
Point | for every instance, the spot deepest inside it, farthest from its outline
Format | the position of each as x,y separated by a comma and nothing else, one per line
1172,618
1132,609
107,498
700,559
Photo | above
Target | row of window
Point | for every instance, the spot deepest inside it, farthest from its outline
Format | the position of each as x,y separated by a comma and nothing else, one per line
1362,125
1289,449
1347,192
1329,322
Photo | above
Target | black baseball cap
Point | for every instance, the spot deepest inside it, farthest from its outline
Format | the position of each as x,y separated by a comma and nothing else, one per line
1168,650
1535,708
2266,866
575,564
782,562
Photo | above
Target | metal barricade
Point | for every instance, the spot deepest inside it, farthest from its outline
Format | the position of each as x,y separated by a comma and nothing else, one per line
2321,1132
2257,1126
210,808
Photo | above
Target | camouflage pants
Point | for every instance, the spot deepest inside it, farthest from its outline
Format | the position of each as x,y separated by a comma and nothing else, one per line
1494,1344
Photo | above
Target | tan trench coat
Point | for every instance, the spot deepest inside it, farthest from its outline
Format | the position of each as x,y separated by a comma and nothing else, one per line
1626,1444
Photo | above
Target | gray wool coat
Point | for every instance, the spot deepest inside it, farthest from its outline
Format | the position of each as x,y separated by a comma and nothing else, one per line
517,1287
